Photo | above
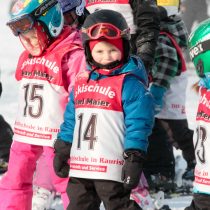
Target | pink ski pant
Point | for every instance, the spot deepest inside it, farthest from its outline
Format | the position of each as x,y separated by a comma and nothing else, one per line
43,178
16,185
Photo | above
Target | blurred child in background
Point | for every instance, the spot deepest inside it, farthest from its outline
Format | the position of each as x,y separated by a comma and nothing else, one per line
200,53
168,86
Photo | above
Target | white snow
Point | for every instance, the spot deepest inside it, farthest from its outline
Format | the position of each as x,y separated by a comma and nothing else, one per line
9,51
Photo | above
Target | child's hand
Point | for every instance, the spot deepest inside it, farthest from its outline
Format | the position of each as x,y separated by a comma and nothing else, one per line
158,94
132,168
62,155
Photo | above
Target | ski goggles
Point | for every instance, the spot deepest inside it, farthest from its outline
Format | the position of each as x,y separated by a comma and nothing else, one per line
106,30
22,25
26,22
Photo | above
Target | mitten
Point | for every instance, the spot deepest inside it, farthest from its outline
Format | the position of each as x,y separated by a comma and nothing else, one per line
62,155
158,94
132,168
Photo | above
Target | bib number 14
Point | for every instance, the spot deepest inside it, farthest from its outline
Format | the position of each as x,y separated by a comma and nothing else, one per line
89,133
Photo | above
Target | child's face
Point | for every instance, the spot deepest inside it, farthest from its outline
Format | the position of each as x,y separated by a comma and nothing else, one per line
32,42
105,53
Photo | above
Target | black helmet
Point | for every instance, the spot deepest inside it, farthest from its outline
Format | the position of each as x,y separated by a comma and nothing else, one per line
109,17
105,16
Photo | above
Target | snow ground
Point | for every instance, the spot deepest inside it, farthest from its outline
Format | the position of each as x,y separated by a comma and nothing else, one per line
9,51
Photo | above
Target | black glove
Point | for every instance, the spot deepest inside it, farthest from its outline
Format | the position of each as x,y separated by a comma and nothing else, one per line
62,155
132,168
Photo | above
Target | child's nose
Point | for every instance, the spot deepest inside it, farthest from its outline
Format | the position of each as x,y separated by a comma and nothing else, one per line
107,55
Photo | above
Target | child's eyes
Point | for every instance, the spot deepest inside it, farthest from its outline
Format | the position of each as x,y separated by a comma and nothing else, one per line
101,51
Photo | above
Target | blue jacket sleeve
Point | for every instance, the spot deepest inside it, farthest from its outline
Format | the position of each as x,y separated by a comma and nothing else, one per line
67,127
138,105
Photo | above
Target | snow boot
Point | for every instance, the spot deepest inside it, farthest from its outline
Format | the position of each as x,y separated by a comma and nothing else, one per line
158,182
188,176
42,198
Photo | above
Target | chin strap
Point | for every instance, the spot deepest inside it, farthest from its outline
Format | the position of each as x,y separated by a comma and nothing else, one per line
107,66
91,73
98,66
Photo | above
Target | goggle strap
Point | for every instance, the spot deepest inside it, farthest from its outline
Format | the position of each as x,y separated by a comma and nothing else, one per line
199,48
43,8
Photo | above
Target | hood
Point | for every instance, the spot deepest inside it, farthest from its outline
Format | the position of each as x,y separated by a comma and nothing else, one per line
69,35
133,66
177,28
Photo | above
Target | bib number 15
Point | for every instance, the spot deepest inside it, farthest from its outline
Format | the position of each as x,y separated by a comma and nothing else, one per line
33,100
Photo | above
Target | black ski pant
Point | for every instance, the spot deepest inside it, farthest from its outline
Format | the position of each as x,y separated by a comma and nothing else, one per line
199,202
165,135
181,137
6,135
87,194
160,158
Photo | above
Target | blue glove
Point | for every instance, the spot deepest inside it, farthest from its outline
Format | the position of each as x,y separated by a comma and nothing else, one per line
158,94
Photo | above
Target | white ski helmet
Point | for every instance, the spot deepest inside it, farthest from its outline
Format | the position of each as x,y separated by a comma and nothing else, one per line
69,5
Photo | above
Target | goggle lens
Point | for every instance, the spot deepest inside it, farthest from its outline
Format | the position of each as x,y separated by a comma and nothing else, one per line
22,25
104,30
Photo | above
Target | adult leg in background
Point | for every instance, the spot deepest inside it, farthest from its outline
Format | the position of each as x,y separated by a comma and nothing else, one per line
182,136
159,167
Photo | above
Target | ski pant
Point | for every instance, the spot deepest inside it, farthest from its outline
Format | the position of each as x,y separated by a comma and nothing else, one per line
42,178
6,135
87,194
160,157
16,185
160,151
199,202
181,137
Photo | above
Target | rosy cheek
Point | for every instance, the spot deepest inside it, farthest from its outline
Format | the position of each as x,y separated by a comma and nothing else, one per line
34,42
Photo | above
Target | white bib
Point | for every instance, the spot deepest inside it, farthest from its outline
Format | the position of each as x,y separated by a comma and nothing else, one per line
174,99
